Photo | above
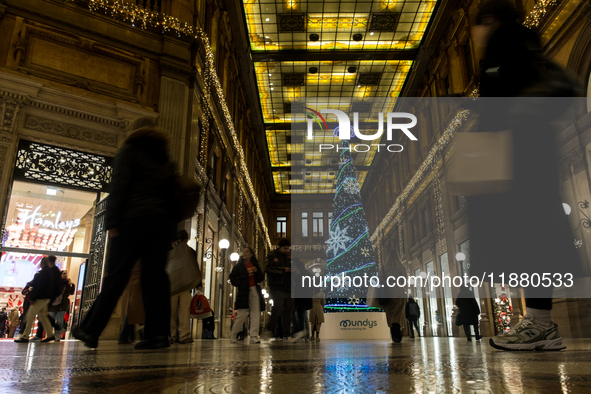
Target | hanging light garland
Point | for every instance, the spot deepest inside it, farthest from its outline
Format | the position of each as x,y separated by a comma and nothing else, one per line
429,163
539,12
164,24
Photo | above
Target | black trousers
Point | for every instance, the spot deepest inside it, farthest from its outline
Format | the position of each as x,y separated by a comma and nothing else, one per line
148,240
282,308
23,316
467,330
40,328
416,324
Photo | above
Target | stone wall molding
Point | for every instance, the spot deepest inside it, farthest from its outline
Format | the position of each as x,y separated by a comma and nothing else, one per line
70,130
34,45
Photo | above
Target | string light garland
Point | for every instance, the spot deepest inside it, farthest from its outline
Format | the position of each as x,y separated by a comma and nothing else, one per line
430,162
539,12
168,25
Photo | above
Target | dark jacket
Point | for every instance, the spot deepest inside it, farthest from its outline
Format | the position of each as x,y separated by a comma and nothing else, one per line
239,278
508,229
407,310
43,285
65,290
143,180
302,295
278,279
3,319
468,306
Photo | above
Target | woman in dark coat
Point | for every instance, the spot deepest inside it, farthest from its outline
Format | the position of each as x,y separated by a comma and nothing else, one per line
524,230
246,276
469,312
393,297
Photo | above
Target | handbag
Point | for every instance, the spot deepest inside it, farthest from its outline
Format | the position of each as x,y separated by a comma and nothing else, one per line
481,163
459,320
183,269
186,195
373,297
58,299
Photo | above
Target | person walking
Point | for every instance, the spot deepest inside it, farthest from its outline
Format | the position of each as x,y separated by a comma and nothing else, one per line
393,297
61,305
303,302
41,292
181,303
13,322
3,322
413,314
469,312
278,271
246,276
317,314
513,66
140,220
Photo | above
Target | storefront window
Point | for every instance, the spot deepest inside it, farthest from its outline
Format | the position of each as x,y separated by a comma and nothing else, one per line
447,293
433,307
43,220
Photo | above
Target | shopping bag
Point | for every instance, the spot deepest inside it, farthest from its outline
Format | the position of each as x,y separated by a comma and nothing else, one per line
481,163
200,308
373,297
183,270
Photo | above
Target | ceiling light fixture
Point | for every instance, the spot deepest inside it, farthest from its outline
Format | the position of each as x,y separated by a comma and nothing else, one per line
313,70
357,37
267,20
314,37
352,69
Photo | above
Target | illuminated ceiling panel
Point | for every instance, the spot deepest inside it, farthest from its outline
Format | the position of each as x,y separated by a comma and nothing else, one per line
333,49
331,80
383,25
308,181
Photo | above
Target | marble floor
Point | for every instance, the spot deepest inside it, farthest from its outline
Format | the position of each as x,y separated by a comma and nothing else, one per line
425,365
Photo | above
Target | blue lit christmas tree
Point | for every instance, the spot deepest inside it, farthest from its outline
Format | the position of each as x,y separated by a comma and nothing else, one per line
349,252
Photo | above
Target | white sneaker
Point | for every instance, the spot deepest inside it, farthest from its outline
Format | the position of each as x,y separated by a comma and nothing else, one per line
298,335
529,335
266,335
255,340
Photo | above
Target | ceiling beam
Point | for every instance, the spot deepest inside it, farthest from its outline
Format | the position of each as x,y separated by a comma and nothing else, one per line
291,56
316,168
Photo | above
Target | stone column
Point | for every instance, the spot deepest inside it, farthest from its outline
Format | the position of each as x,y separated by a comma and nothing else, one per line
174,100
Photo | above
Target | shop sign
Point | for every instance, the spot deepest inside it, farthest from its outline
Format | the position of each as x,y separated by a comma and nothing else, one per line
35,218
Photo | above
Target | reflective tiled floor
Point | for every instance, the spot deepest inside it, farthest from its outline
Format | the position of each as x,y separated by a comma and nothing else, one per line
421,365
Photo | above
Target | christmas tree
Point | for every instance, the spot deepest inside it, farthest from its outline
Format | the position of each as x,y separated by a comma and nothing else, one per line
503,312
349,253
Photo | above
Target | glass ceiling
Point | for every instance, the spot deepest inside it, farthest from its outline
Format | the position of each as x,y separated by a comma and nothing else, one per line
335,22
282,36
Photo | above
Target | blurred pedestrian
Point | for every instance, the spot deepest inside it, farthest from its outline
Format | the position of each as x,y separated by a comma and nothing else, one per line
393,299
13,322
141,221
61,305
514,67
278,271
469,312
317,315
413,314
181,303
